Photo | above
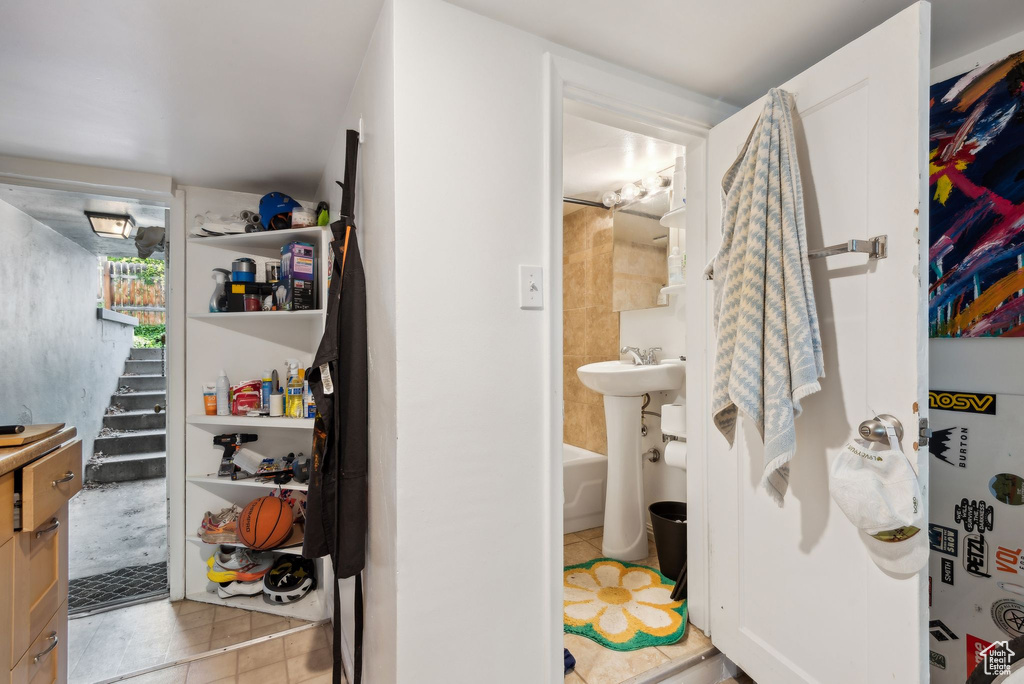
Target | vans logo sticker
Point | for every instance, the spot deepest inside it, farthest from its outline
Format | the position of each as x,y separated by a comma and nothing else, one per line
939,630
950,446
975,514
964,402
947,571
976,555
943,539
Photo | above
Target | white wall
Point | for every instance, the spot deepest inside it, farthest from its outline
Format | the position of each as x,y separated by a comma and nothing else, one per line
60,364
476,553
373,100
978,364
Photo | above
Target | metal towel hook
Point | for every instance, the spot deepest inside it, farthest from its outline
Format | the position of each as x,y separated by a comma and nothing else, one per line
874,431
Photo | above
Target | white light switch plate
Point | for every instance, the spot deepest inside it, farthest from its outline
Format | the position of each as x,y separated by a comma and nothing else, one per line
531,287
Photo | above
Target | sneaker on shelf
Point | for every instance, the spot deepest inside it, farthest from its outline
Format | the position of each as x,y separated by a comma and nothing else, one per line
229,589
221,528
238,565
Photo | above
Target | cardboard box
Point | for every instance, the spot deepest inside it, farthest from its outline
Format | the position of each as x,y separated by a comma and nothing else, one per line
299,295
298,262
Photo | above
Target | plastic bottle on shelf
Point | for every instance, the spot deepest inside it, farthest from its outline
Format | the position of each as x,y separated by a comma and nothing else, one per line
293,391
676,272
265,389
223,395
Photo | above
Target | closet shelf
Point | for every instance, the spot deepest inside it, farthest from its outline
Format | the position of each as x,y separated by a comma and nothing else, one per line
297,548
268,242
673,289
232,316
214,481
252,421
309,608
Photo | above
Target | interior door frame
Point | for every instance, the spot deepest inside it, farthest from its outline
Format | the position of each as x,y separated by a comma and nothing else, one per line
650,107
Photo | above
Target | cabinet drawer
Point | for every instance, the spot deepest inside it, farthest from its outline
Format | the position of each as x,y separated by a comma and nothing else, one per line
41,578
48,483
46,661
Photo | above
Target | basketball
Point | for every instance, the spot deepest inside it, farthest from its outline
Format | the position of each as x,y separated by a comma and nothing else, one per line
265,523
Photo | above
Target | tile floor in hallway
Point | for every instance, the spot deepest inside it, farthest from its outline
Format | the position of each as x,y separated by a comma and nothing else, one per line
129,639
596,664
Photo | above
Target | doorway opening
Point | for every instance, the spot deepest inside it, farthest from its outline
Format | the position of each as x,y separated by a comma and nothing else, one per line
624,309
96,353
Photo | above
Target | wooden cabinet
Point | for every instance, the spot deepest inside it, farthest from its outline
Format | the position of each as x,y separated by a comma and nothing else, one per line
38,481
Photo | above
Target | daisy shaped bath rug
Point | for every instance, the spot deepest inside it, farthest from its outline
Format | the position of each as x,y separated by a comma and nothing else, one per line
622,606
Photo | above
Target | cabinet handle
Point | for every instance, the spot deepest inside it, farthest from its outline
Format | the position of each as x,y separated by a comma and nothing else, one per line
42,654
54,525
68,477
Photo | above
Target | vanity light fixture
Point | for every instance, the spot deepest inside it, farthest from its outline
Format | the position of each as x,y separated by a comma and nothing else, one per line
651,184
611,198
630,192
655,182
118,226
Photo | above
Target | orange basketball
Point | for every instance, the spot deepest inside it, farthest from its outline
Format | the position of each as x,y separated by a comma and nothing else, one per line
265,523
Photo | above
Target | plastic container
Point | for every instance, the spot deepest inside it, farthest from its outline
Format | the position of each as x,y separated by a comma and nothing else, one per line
277,404
267,387
293,391
223,395
668,518
210,399
676,269
243,270
252,302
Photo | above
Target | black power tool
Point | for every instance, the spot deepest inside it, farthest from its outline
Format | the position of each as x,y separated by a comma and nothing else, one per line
231,444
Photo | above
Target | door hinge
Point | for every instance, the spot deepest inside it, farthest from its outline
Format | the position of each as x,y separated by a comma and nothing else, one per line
924,434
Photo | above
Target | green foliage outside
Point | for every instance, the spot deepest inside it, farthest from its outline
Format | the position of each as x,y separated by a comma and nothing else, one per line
153,272
147,336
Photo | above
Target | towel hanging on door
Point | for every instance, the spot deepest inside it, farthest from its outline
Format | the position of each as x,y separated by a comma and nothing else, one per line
769,346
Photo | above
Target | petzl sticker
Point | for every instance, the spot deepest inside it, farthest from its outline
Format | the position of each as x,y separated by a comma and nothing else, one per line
963,402
1008,488
974,513
943,539
976,555
950,446
1008,615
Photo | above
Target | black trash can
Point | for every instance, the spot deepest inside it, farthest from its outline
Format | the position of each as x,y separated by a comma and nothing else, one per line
669,521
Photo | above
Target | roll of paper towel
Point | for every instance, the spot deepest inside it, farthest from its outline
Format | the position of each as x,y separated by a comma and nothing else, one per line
675,454
673,420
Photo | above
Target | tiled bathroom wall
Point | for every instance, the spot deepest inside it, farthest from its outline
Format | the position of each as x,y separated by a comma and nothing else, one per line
590,327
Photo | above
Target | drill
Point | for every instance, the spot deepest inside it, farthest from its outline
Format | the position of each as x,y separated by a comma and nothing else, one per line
231,445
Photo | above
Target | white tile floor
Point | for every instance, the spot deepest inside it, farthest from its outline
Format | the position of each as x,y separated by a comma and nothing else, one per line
137,637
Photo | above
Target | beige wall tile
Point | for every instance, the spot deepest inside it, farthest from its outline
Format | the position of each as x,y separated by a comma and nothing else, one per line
574,232
597,436
572,388
575,427
574,331
574,285
602,331
599,281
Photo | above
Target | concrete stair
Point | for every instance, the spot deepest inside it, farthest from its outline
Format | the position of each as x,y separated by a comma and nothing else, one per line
132,443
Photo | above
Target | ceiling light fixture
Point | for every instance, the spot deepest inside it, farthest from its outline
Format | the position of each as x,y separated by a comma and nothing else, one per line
117,226
655,182
630,191
610,199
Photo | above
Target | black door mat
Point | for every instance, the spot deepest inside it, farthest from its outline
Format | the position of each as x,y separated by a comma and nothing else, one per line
118,586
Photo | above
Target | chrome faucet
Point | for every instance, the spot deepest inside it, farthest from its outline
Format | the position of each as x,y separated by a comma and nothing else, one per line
642,357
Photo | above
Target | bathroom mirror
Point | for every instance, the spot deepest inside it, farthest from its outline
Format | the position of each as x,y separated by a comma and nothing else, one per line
639,253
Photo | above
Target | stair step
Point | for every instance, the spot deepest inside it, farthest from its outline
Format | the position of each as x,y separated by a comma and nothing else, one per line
132,466
131,442
144,367
143,382
136,420
145,354
139,401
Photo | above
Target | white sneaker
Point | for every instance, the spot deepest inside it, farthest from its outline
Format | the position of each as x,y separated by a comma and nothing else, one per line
229,589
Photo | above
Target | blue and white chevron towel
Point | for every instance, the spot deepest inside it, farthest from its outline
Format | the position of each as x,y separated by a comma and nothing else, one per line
769,347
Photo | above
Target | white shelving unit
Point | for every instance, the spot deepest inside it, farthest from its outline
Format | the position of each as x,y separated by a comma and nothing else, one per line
243,344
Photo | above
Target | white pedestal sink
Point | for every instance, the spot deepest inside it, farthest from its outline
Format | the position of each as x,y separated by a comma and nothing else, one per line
623,385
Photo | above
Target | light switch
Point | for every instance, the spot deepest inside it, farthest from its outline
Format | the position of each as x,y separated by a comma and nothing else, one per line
531,287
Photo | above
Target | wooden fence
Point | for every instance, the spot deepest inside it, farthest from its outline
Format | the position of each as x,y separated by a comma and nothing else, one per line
123,289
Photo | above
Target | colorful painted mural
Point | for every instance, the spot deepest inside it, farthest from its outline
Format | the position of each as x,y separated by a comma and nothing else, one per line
976,258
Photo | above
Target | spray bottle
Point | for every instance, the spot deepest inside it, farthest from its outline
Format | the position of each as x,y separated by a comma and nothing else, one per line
218,302
293,390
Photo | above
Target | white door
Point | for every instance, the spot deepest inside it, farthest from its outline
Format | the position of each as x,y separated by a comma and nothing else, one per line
794,595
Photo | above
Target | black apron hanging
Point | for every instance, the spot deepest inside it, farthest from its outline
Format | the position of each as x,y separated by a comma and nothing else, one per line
336,507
